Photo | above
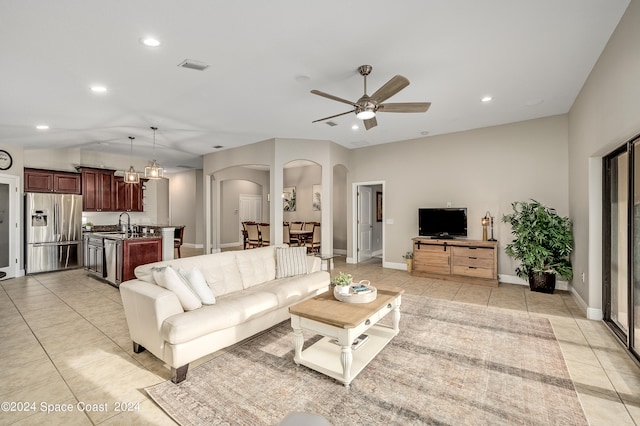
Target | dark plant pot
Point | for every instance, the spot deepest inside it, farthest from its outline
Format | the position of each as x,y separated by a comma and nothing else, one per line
543,283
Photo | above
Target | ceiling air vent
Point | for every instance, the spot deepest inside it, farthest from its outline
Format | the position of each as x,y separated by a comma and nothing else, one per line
194,65
331,123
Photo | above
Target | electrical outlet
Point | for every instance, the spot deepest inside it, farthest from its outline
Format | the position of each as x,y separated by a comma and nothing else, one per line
583,277
448,204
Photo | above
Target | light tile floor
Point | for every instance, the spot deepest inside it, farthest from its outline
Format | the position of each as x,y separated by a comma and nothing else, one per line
65,346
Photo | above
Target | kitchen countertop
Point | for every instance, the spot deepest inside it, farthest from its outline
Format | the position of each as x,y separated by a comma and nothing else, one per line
123,236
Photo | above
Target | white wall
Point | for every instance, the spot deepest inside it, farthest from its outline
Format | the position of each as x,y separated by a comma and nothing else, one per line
605,114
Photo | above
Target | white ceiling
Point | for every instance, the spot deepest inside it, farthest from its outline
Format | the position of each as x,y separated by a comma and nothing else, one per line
531,56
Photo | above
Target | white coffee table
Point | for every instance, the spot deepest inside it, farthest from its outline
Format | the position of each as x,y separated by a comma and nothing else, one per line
341,323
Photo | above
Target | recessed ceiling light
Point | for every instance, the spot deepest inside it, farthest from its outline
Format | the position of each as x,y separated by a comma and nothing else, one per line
150,42
42,127
355,127
486,99
98,89
424,133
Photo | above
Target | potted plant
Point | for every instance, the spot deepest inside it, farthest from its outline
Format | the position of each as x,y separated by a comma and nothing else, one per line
408,256
342,281
88,226
543,242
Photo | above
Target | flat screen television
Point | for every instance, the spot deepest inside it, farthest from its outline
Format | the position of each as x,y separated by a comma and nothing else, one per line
442,222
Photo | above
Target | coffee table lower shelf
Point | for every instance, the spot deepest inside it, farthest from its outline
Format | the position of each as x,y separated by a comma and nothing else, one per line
326,357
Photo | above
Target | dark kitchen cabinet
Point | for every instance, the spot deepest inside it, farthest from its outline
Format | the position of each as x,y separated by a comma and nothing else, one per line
98,190
128,196
38,180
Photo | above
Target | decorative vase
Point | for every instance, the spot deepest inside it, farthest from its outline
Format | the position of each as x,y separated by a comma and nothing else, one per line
409,265
343,289
542,283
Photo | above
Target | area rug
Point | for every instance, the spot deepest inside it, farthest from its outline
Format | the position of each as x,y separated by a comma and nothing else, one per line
451,364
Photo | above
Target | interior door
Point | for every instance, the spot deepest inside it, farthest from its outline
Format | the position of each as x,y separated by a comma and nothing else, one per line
250,209
365,223
8,225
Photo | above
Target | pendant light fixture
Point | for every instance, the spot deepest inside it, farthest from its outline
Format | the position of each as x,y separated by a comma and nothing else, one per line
131,176
153,171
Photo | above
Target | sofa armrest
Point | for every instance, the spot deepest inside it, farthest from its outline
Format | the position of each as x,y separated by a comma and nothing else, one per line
314,264
146,306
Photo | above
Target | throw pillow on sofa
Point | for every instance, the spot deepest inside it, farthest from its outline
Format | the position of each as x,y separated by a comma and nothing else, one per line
169,278
198,284
291,261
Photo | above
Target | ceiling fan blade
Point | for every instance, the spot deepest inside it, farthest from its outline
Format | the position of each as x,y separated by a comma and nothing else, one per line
334,116
370,123
389,89
405,107
335,98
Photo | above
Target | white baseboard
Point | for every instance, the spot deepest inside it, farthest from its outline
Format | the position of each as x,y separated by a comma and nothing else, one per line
225,245
595,314
195,246
395,265
514,279
339,251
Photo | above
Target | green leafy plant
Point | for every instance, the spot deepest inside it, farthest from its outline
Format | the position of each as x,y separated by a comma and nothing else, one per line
543,240
408,255
342,279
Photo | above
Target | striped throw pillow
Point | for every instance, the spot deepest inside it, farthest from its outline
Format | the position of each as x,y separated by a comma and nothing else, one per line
291,261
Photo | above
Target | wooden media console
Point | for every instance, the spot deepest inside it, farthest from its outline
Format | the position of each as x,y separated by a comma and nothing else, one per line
469,261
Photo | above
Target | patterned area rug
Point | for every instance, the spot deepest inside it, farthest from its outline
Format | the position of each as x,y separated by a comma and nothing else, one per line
451,364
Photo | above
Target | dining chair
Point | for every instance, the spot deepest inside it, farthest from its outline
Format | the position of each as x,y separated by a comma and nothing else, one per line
245,237
286,237
178,238
313,244
253,235
296,226
265,234
308,226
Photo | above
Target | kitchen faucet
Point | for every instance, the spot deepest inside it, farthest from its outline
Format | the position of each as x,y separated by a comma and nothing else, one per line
128,222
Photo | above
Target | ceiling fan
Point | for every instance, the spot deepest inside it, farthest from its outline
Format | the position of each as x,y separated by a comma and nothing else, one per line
367,106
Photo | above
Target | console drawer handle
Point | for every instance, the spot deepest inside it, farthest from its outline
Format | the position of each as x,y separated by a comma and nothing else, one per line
367,322
389,306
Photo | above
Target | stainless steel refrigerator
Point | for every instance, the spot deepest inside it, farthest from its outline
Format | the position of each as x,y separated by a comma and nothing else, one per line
53,226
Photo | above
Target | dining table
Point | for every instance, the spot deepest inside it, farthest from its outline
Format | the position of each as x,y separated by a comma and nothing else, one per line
300,234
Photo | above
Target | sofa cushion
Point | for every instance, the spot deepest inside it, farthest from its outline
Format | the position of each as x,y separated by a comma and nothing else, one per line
256,266
229,311
291,261
295,289
220,270
199,285
169,278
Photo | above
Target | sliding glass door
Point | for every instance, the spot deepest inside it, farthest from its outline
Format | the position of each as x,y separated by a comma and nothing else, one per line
621,212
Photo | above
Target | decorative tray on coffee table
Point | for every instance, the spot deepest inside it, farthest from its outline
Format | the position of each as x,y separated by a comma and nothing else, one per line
358,293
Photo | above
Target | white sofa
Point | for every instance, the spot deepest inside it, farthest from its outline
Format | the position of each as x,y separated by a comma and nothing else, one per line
249,299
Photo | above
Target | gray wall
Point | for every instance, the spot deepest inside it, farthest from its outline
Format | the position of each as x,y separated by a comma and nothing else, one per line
303,178
185,193
230,191
484,170
605,114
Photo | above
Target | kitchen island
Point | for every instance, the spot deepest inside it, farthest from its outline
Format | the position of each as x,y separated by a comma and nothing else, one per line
114,255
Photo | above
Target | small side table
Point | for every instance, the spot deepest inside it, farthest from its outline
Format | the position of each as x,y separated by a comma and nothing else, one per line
326,261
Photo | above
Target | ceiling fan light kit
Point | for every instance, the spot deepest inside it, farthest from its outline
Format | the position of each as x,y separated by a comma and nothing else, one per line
154,171
367,106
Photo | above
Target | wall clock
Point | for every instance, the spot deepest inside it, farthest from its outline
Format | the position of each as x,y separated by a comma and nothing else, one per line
5,160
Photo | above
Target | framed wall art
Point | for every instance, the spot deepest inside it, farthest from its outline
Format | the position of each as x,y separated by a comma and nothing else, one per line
316,198
289,199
